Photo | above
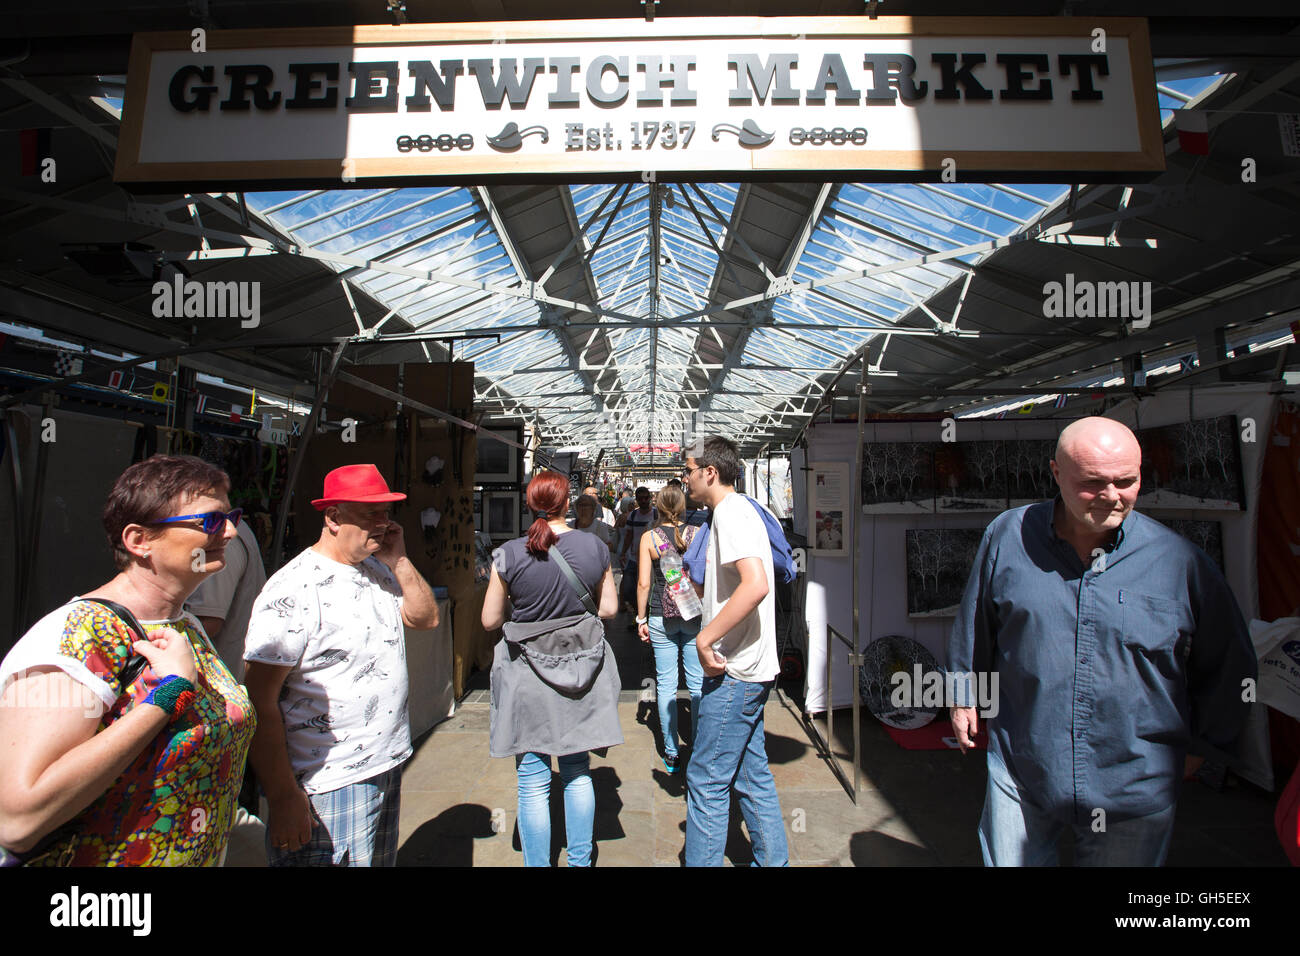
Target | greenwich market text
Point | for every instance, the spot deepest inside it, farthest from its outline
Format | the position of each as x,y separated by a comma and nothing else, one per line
415,86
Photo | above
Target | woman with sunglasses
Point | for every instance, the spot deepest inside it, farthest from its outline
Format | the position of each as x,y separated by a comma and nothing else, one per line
107,759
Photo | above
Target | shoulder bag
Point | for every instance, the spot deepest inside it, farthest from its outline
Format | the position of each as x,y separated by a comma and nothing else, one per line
131,670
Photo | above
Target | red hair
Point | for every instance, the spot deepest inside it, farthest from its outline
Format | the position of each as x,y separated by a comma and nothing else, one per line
548,497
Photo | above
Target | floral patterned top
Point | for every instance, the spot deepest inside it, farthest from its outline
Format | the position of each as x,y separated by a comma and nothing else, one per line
175,803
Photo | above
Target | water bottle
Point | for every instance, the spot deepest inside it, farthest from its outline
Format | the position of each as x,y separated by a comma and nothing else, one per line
679,585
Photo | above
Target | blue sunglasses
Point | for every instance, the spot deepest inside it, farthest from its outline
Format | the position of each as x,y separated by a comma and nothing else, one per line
213,521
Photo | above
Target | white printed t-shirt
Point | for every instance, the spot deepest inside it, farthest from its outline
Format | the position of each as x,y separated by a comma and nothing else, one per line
344,704
738,532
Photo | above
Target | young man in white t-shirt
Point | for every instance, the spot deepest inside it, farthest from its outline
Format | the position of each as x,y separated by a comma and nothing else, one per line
737,648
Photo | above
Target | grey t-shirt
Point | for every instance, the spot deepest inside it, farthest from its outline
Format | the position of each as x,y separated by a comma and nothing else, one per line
538,589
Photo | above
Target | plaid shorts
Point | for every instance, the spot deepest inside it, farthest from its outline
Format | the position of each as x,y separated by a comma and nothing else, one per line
358,826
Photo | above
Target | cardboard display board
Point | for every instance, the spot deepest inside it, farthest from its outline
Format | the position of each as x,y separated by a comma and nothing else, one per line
444,553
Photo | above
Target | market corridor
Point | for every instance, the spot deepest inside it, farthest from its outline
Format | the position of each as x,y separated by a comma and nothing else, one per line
917,808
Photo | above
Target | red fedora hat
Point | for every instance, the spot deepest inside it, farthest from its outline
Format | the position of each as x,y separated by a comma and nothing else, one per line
355,483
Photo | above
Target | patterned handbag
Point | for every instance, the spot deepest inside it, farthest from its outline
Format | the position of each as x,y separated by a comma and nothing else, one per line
55,847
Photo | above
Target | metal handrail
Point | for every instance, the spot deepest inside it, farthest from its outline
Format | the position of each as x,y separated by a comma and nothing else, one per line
855,658
827,743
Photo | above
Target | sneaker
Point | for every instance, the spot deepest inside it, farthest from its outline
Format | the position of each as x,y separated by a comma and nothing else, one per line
672,764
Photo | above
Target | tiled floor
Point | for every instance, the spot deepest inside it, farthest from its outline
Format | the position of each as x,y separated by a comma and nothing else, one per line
914,808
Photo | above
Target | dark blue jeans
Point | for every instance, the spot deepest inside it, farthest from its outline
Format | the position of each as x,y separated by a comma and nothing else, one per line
730,751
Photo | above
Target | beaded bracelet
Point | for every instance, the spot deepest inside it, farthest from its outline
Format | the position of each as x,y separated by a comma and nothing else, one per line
173,694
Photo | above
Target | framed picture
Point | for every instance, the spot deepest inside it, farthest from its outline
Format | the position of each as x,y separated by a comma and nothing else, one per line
898,478
501,514
939,561
830,496
1193,465
497,462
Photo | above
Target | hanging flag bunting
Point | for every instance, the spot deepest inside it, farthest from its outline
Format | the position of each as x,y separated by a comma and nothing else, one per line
1060,400
161,391
35,146
1002,414
1187,363
1295,331
65,365
252,409
1026,409
200,404
115,379
236,412
1139,377
1193,131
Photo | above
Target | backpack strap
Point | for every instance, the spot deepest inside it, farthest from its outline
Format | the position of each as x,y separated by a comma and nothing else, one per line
584,595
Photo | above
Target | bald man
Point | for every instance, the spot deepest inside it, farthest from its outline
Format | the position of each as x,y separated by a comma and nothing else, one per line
1117,647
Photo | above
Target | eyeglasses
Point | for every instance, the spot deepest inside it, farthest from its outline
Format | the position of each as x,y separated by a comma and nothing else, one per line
687,472
213,521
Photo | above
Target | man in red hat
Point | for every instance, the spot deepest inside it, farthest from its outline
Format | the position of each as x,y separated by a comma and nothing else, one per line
327,673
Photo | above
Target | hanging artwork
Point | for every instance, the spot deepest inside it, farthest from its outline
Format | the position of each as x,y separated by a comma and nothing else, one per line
878,687
939,561
898,478
501,514
830,494
970,476
1192,465
1029,471
497,462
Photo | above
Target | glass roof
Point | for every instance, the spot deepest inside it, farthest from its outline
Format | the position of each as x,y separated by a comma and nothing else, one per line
652,257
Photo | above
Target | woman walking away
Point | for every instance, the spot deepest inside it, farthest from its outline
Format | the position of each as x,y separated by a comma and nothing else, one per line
555,682
122,734
660,622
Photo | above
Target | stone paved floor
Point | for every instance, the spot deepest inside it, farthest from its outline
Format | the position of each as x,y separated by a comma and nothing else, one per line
914,807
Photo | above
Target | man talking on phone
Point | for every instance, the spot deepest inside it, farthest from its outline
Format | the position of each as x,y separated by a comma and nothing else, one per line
326,671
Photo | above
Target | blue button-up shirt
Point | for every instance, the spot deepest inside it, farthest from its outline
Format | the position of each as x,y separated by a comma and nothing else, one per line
1106,670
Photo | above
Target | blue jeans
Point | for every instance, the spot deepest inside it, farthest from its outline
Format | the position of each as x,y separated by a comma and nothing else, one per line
673,638
730,751
534,776
1013,832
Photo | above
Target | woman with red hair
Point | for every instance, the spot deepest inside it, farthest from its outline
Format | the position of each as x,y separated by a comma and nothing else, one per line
555,682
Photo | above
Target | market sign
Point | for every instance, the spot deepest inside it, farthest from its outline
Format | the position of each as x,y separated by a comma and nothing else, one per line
920,98
652,448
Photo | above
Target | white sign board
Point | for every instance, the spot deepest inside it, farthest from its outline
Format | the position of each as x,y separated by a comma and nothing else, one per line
956,98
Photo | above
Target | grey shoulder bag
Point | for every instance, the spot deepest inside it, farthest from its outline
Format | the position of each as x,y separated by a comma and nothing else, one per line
583,594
